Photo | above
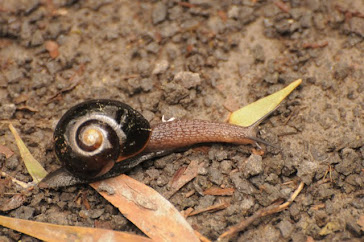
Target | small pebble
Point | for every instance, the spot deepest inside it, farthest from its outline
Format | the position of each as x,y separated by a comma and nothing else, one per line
95,213
37,39
216,176
160,67
13,75
7,111
159,13
226,166
286,228
105,188
187,79
12,163
252,166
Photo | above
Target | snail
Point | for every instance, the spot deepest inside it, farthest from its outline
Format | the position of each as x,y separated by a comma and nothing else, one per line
101,138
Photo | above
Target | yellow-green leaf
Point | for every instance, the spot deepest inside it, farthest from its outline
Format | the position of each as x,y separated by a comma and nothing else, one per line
329,228
54,232
255,111
35,169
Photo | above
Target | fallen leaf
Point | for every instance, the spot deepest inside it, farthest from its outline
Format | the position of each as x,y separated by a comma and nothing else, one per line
329,228
147,209
282,6
318,206
185,213
258,152
16,181
190,193
52,48
231,104
257,110
34,168
310,239
360,222
6,151
189,173
222,15
4,185
201,237
27,108
14,202
212,208
102,224
217,191
272,209
21,98
54,232
177,175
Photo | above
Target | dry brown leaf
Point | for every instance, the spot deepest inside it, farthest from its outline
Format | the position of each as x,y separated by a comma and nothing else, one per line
54,232
360,222
257,152
21,98
52,48
6,151
27,108
177,176
212,208
201,237
146,208
14,202
102,224
231,104
181,180
4,184
310,239
14,180
190,193
185,213
318,206
217,191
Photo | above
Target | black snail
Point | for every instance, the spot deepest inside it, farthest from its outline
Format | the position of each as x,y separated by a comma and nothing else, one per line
102,138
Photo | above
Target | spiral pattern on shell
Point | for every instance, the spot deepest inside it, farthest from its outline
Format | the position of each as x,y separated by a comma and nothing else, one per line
92,136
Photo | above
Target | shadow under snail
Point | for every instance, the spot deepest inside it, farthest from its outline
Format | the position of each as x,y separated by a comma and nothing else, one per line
102,138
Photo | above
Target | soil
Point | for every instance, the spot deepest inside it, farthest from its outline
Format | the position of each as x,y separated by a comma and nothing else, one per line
196,59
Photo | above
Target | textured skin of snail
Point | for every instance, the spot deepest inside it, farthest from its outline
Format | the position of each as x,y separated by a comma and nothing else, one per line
98,139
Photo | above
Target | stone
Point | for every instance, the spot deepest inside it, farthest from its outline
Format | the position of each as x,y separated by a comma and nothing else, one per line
7,111
159,13
286,228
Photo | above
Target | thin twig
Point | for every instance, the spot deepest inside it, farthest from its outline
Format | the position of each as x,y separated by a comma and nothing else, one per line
201,237
260,213
16,181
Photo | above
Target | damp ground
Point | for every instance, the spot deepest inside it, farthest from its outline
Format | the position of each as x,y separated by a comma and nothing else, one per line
197,59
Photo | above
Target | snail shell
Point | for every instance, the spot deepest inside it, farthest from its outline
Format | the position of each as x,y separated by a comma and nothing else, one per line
92,136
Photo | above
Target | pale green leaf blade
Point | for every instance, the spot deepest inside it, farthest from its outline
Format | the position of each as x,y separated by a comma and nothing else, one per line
255,111
34,168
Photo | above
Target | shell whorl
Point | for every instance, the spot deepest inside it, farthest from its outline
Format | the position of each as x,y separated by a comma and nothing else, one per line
93,135
90,134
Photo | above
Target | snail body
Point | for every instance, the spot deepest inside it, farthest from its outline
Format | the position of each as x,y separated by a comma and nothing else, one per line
102,138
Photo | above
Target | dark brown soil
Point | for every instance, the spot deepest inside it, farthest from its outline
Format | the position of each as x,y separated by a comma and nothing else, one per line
240,51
